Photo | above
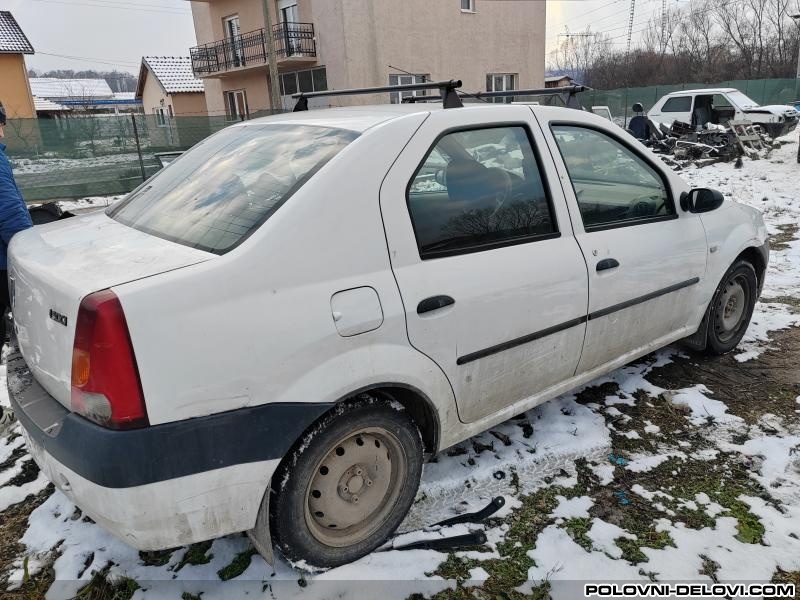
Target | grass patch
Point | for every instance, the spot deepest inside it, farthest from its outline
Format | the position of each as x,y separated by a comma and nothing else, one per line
196,554
156,558
101,588
237,566
578,529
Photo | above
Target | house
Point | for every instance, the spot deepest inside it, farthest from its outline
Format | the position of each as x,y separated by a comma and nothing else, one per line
167,87
558,81
337,44
15,91
82,96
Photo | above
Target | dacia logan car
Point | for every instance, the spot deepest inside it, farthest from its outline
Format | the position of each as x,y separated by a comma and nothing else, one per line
274,333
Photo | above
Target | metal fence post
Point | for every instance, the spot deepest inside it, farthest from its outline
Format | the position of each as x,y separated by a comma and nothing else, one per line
138,146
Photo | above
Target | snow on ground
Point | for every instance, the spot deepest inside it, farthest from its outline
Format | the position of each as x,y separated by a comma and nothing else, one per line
26,166
624,480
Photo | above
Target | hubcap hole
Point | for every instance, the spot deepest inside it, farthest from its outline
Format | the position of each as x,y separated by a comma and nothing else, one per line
323,470
340,451
316,493
359,441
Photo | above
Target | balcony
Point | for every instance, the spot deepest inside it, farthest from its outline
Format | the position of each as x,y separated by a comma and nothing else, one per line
295,47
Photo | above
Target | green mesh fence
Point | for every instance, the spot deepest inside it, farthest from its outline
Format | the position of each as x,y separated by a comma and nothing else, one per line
99,155
763,91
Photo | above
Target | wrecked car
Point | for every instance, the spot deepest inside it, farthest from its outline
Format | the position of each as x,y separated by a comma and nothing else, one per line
274,332
720,105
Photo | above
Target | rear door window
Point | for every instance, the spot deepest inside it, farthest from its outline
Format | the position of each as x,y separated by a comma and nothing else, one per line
222,190
479,189
678,104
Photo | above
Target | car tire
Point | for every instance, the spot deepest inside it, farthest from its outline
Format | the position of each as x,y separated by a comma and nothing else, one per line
731,308
348,484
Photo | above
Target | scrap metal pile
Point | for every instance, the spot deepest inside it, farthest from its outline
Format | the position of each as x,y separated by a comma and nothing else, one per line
681,144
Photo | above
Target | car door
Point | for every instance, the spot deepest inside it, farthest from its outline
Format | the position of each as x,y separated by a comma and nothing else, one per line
493,282
674,108
645,256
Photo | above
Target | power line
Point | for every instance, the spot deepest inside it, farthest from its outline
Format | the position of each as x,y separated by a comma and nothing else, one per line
118,6
90,59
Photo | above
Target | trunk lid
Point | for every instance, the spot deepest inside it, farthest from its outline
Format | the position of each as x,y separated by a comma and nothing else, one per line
53,267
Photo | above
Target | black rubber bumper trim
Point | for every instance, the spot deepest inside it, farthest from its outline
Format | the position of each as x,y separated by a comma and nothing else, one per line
123,459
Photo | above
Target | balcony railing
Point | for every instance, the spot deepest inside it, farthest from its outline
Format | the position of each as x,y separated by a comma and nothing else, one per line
294,39
250,49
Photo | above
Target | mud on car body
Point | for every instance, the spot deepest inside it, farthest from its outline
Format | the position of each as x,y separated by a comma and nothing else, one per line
274,332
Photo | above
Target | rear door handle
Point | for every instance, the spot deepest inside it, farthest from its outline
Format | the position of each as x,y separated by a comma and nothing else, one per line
607,263
434,303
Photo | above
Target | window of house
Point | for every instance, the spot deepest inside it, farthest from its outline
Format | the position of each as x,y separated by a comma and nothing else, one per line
613,185
678,104
501,82
236,101
397,97
161,116
309,80
468,5
479,189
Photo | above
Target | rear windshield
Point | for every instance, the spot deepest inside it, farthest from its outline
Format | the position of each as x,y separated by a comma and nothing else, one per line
222,190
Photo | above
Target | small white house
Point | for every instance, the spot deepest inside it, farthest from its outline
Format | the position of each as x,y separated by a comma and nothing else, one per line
167,88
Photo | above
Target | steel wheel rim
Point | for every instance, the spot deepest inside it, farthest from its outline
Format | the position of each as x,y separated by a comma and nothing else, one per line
731,308
355,487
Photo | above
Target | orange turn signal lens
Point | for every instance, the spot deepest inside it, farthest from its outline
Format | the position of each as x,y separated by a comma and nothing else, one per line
80,368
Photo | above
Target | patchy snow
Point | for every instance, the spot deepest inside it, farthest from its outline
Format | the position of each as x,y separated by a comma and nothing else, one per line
573,507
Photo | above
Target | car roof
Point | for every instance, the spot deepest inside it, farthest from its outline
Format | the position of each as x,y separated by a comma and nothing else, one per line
361,118
354,118
702,91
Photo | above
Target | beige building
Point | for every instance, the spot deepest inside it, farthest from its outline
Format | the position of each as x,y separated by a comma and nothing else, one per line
15,90
168,88
337,44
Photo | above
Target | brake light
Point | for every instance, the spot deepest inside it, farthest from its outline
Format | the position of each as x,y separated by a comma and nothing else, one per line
105,379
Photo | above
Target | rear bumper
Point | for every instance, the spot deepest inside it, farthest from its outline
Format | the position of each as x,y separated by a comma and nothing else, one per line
161,486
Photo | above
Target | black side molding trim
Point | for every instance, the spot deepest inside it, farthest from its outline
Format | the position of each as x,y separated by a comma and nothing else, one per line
634,301
467,358
525,339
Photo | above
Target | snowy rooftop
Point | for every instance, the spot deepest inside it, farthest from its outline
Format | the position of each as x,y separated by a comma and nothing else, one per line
45,105
49,87
12,40
174,73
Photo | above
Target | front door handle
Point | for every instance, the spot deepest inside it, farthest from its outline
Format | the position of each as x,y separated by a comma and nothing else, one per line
434,303
607,263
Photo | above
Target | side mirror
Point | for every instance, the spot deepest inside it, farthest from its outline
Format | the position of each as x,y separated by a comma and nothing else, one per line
700,200
440,177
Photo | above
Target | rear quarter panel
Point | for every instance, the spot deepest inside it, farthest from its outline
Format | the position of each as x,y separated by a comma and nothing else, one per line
255,325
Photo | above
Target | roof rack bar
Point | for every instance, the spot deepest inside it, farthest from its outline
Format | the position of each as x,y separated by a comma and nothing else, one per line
566,92
447,89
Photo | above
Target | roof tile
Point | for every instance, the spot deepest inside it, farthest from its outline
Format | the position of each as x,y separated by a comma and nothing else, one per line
12,40
174,73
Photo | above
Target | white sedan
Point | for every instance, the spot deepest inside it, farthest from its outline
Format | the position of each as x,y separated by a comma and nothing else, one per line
274,333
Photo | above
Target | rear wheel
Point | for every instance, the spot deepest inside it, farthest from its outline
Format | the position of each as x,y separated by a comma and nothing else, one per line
732,307
348,485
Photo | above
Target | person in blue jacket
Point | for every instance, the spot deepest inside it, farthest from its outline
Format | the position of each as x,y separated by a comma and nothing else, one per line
14,217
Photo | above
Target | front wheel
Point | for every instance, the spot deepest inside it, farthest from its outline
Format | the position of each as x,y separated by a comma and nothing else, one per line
732,308
349,484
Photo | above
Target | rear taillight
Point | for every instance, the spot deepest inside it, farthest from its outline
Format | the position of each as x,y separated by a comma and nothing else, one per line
105,379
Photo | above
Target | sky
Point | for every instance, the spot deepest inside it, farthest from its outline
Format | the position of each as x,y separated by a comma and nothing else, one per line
115,34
